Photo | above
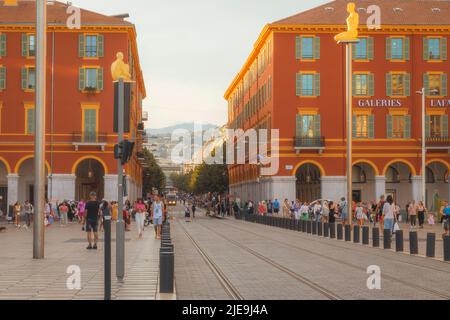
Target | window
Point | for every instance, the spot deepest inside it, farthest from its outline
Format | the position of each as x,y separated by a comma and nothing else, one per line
363,126
90,46
2,45
363,84
28,78
307,47
28,45
308,126
91,79
29,120
399,126
397,48
363,50
398,84
434,48
2,78
90,125
435,84
437,126
308,84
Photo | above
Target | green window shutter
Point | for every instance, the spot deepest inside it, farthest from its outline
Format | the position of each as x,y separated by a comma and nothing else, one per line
2,78
389,126
444,84
388,84
2,45
406,49
427,126
24,45
81,45
445,126
371,84
354,118
101,46
388,49
298,47
82,79
426,84
316,50
354,84
100,80
370,48
317,84
407,134
407,84
30,120
298,85
24,78
317,126
426,55
298,126
371,130
444,48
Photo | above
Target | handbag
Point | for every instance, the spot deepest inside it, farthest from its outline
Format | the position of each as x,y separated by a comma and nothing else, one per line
396,227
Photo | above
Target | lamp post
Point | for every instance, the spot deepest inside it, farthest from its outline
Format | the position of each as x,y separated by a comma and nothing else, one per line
39,145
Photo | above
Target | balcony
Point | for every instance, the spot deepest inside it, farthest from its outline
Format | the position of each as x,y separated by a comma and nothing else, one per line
140,126
144,116
438,143
89,139
308,143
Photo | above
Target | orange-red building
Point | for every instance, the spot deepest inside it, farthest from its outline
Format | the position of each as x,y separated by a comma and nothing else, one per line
79,110
294,81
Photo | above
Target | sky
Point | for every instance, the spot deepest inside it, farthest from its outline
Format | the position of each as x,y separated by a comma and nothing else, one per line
190,51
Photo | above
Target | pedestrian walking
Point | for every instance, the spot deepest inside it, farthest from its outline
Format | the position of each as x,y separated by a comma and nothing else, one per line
28,207
388,214
139,217
325,212
343,209
193,210
81,212
360,214
412,213
446,219
286,208
92,213
157,216
63,210
17,213
421,211
276,207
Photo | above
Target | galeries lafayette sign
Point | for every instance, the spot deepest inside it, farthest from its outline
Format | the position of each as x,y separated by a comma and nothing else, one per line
364,103
440,103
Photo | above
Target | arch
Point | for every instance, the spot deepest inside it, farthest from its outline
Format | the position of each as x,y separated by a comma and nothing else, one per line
317,164
406,162
446,164
22,160
75,166
369,163
6,163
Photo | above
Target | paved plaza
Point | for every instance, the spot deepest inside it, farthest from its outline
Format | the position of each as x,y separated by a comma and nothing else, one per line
23,278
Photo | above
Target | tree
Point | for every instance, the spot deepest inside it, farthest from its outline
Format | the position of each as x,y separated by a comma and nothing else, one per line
210,178
153,176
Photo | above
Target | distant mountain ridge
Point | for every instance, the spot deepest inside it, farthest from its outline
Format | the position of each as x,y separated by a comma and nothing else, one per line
186,126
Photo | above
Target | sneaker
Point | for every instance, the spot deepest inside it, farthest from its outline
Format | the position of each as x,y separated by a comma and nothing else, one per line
94,247
89,247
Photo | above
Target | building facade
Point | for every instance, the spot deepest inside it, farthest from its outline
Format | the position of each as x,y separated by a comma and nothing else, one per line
79,110
294,81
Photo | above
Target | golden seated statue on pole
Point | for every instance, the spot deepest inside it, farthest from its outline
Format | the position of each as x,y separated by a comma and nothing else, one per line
351,35
120,70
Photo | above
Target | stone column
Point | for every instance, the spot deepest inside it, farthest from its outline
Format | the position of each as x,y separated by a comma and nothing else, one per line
111,191
380,187
62,187
334,187
13,188
416,182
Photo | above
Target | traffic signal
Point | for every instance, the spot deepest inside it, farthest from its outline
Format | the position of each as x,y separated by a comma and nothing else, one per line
124,151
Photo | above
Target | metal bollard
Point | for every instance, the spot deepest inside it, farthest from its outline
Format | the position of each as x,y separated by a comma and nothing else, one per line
303,223
399,241
413,243
320,229
298,226
431,245
356,234
166,272
376,237
326,230
292,226
447,248
314,227
332,228
340,234
365,235
308,226
387,239
348,233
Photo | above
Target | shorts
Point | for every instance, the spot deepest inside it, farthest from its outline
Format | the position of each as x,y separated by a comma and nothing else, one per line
276,210
91,226
157,221
344,216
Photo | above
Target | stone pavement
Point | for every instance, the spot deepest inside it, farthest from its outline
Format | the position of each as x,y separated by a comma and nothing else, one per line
21,277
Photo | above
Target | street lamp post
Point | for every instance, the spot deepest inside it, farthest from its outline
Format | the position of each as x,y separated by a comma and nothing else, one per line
39,145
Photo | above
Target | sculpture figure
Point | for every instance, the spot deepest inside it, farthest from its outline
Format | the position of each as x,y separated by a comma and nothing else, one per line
119,69
352,26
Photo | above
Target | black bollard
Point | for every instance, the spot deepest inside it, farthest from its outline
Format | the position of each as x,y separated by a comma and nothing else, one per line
320,229
340,234
308,226
326,230
298,226
399,241
348,233
365,235
431,245
314,227
303,223
292,226
356,234
332,228
387,234
413,243
166,272
107,280
376,237
447,248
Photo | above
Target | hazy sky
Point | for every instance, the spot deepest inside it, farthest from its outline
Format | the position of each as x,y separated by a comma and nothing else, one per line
190,51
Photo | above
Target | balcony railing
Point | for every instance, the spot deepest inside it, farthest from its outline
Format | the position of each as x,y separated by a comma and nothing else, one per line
312,143
89,138
438,142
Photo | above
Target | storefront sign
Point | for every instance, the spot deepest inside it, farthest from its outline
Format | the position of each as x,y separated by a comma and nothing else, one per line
440,103
369,103
289,167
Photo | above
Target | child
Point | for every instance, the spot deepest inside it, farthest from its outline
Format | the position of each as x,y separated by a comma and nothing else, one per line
360,214
431,219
